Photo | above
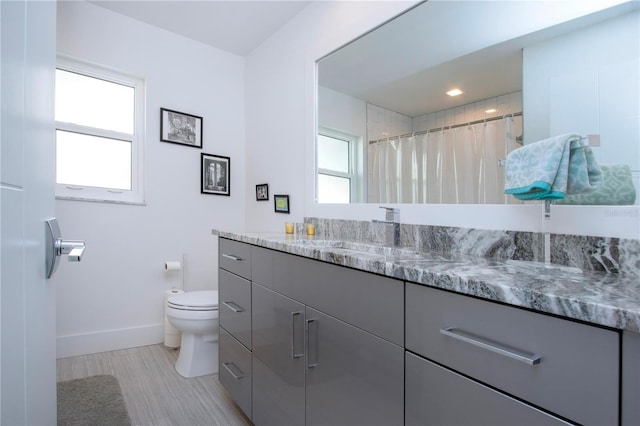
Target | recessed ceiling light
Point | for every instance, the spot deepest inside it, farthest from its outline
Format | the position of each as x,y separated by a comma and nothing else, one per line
491,110
454,92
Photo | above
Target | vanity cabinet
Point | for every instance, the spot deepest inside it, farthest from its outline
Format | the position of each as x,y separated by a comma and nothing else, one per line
568,368
308,342
321,353
311,367
234,316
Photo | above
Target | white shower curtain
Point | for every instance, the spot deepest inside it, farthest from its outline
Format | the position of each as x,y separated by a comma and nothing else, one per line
449,166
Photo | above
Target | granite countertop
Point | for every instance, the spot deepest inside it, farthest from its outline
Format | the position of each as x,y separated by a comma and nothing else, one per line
611,300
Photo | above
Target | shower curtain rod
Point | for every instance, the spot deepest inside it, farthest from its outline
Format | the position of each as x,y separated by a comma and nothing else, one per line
453,126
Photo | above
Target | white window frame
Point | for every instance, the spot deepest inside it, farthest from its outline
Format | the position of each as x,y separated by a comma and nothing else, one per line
137,139
355,173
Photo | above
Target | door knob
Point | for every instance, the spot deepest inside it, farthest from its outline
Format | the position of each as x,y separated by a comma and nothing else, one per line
56,247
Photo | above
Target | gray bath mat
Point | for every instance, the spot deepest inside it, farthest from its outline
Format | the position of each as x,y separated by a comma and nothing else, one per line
92,401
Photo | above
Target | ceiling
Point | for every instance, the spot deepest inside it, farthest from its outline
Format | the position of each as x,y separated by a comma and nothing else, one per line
234,26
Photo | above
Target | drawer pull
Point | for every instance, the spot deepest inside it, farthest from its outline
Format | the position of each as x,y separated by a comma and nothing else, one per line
232,257
233,307
230,366
294,355
491,346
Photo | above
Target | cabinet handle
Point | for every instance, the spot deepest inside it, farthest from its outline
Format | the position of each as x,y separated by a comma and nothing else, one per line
457,334
316,362
232,257
230,366
294,355
234,307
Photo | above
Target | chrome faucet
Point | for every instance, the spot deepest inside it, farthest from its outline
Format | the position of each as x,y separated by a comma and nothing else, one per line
392,226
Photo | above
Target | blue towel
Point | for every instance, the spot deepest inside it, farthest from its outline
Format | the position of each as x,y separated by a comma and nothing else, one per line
552,168
617,189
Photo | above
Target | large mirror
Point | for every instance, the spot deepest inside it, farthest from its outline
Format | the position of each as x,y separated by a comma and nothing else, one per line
388,132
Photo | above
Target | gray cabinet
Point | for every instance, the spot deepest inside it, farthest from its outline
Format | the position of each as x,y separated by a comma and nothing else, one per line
437,396
568,368
278,359
322,353
234,312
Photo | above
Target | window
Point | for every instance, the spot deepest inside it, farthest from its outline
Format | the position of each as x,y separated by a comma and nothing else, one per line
99,134
337,178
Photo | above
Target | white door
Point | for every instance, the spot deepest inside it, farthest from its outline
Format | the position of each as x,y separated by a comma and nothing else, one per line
27,298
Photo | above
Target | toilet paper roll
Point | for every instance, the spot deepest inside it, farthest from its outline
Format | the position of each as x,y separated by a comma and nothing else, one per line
172,336
172,265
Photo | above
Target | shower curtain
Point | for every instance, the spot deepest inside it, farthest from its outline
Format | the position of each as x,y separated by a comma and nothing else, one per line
449,166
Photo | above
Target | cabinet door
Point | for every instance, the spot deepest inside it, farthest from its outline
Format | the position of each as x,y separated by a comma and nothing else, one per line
353,377
278,359
437,396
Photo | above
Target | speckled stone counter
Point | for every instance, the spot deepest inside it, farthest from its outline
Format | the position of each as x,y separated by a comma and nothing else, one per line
611,300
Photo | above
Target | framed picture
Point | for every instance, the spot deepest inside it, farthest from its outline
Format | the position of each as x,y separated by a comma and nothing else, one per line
262,192
281,203
181,128
215,174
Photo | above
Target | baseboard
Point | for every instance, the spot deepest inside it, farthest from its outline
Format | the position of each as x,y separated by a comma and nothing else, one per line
108,340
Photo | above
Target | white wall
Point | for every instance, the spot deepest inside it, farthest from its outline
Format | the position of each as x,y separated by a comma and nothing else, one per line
587,83
281,95
280,99
113,298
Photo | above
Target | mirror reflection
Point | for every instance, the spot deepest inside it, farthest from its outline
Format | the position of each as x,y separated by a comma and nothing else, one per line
388,132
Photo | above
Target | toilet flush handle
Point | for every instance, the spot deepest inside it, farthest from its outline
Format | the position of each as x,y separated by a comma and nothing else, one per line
56,247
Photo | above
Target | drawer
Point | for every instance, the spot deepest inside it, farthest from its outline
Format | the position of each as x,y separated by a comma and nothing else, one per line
235,257
371,302
577,375
234,306
235,370
437,396
262,266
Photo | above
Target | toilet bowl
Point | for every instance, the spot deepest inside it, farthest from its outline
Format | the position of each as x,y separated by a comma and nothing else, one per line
195,314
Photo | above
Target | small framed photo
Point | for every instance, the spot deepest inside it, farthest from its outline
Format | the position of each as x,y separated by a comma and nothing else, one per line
262,192
178,127
281,203
216,174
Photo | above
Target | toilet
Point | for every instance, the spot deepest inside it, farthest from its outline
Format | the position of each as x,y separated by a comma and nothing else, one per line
195,314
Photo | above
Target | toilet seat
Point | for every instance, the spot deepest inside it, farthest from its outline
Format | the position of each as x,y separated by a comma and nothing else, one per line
206,300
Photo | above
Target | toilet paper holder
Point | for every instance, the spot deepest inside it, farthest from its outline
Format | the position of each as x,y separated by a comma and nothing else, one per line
55,247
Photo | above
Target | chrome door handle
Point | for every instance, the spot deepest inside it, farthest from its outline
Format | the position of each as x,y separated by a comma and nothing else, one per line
232,257
56,247
457,334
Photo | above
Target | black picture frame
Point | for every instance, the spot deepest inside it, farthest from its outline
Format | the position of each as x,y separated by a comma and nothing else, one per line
215,174
281,203
262,192
180,128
